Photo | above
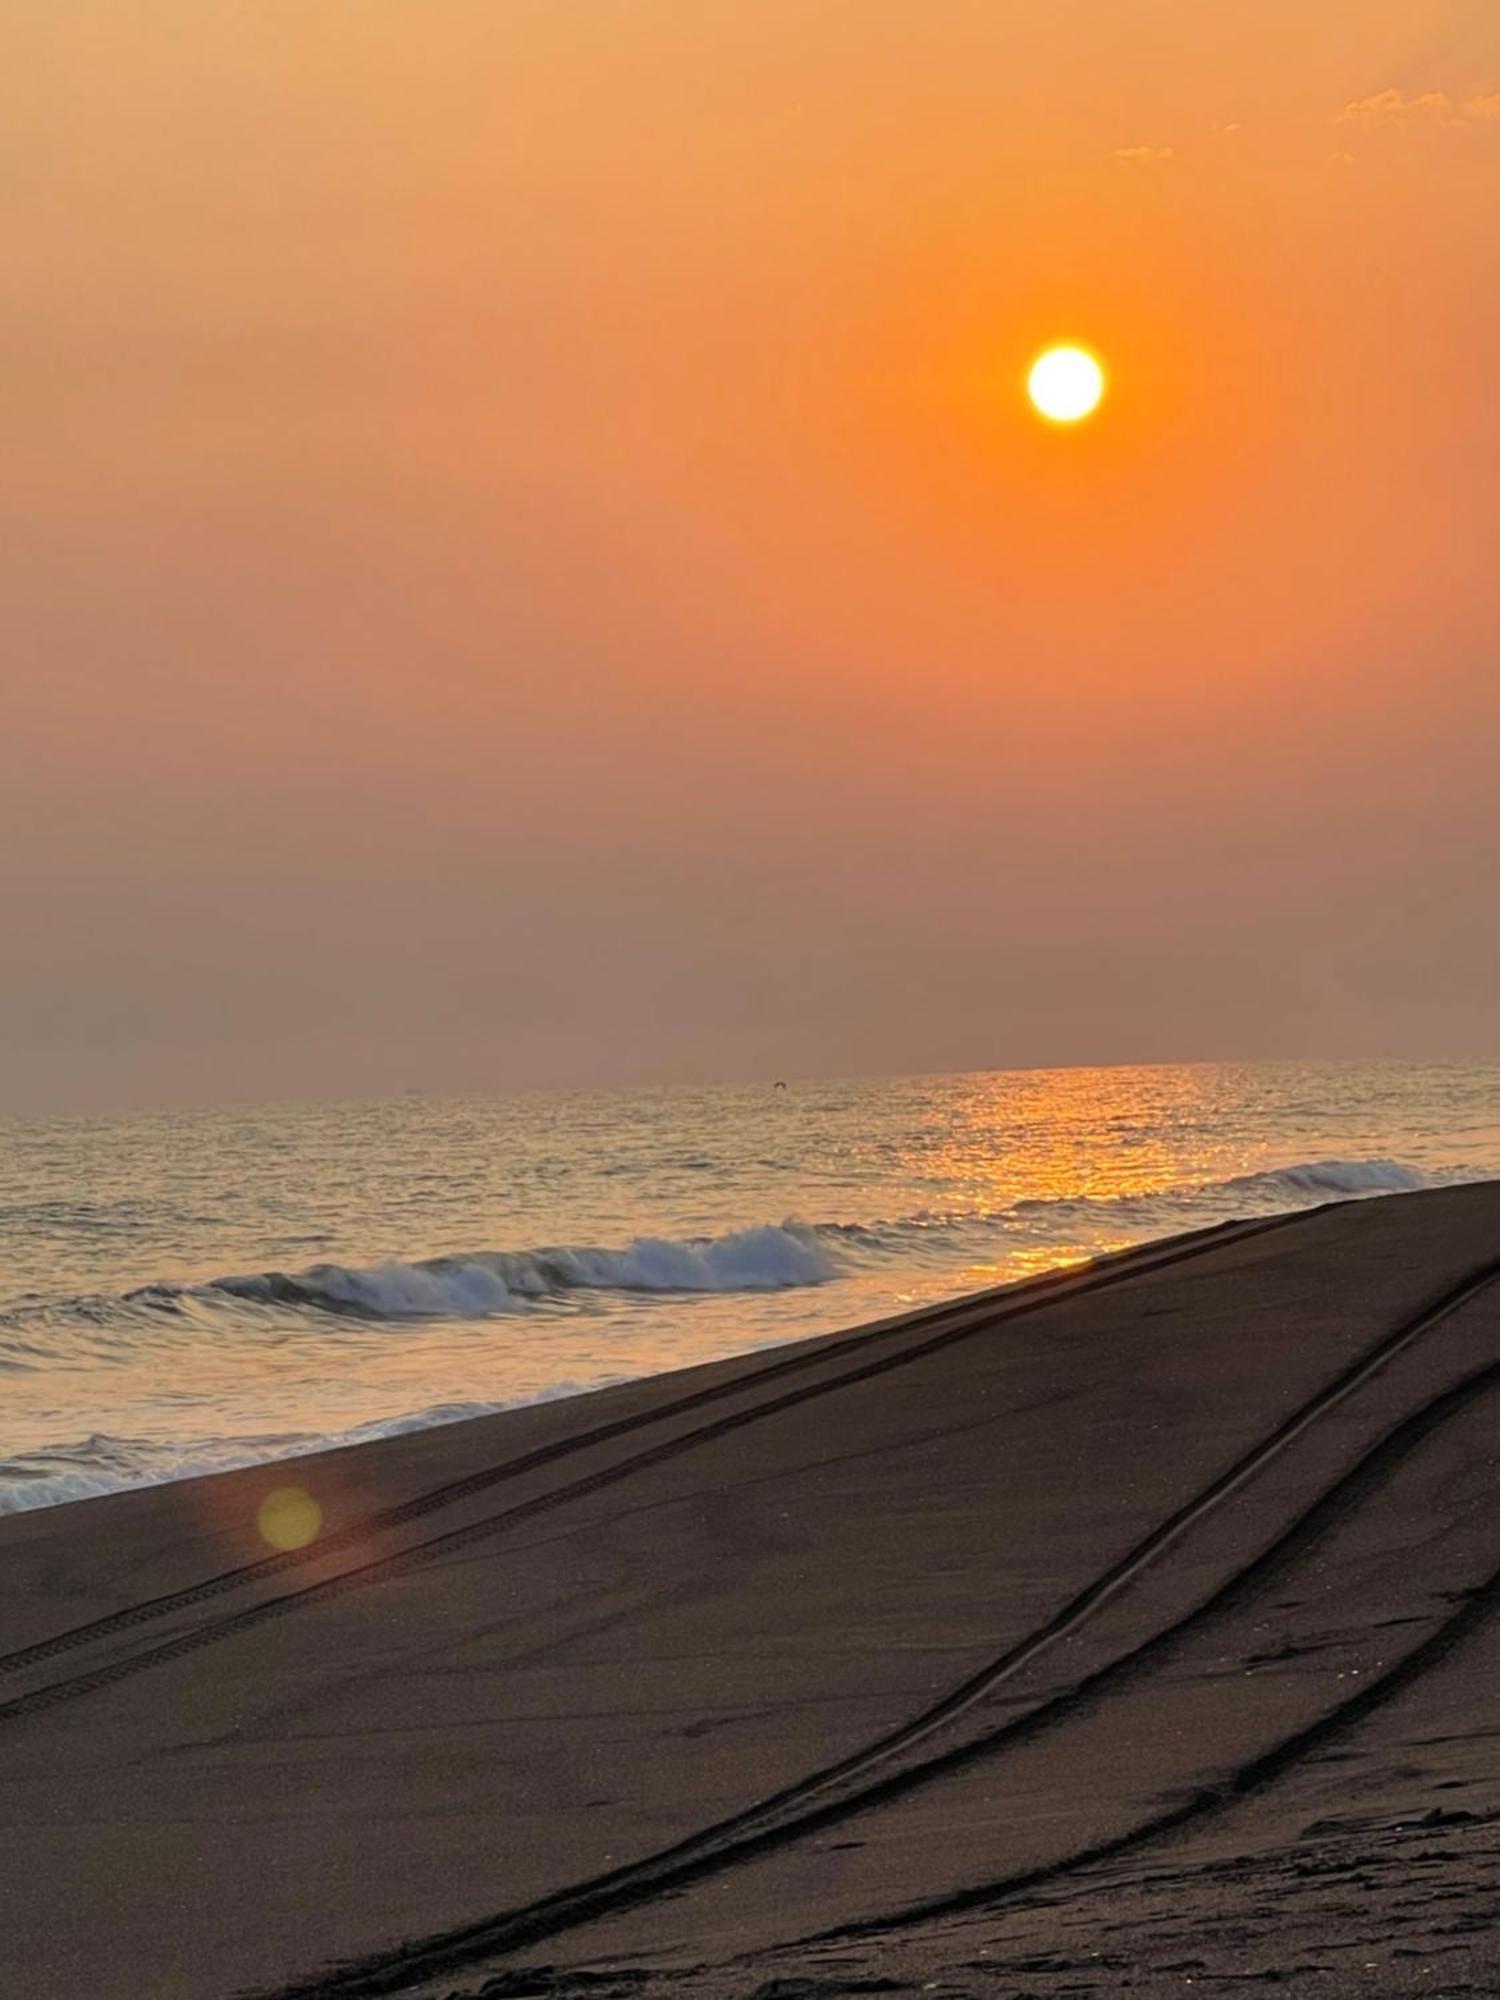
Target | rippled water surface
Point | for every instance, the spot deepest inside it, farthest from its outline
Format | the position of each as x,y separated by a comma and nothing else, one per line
194,1290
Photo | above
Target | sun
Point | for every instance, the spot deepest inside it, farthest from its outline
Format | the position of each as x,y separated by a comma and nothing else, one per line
1066,384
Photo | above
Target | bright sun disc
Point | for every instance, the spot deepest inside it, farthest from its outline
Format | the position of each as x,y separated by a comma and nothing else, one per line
1065,384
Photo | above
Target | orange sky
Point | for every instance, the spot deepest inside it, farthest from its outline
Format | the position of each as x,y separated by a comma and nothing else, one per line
525,560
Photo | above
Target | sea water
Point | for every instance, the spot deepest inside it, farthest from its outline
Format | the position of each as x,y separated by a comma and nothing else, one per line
194,1290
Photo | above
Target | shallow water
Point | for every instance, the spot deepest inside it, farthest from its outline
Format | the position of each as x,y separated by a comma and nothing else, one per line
195,1290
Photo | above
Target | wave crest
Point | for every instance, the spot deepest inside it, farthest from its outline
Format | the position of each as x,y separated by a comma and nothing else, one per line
765,1259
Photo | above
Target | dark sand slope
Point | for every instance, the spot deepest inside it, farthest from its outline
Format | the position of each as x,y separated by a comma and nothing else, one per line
1104,1634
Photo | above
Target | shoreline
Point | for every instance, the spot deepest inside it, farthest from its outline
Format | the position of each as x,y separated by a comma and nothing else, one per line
741,1358
383,1429
658,1680
178,1377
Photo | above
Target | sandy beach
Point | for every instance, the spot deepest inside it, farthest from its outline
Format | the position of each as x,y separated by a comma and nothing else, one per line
1130,1630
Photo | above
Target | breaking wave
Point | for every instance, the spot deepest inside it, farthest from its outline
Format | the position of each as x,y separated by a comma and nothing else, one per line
768,1258
1330,1180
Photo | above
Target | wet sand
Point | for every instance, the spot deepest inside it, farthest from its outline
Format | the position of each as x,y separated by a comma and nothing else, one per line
1133,1631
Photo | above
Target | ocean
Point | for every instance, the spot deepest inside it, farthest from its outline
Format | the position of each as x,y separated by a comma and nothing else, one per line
188,1291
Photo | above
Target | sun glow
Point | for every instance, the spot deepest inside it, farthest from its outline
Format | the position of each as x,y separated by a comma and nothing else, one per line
1065,384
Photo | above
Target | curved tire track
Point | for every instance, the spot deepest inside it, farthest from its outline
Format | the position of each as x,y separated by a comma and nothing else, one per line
1261,1772
763,1827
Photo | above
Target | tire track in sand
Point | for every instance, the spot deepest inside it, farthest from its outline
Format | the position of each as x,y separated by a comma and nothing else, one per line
1243,1782
775,1822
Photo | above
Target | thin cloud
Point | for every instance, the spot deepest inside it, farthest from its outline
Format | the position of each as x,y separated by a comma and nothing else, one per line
1144,156
1428,107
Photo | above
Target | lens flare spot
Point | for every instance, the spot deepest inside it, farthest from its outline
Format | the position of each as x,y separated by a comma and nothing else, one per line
289,1518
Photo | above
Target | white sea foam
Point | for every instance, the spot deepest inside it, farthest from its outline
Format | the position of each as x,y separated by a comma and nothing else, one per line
88,1468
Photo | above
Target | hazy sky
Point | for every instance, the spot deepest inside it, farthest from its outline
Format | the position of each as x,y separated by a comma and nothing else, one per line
525,559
